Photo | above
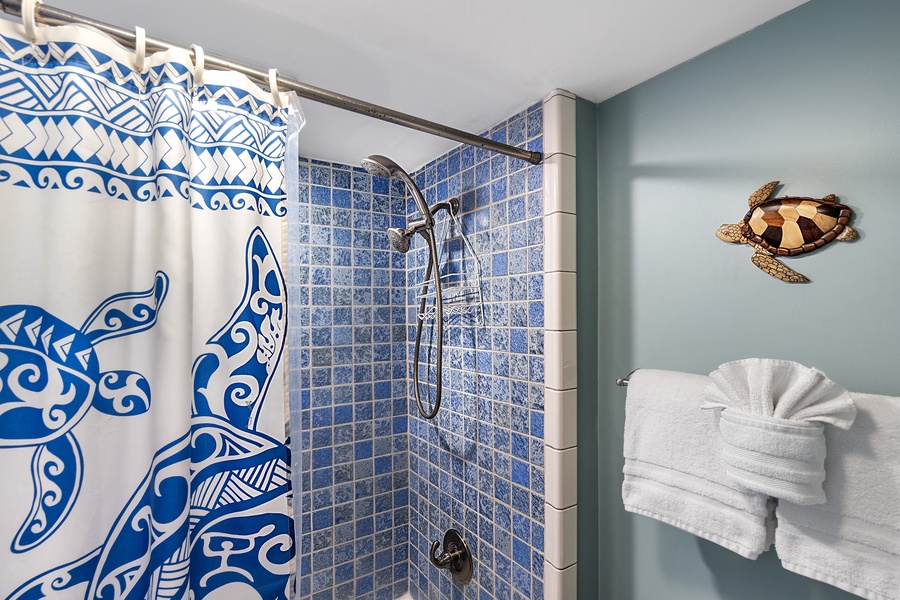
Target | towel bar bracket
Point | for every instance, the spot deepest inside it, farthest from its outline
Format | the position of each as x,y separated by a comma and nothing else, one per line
623,381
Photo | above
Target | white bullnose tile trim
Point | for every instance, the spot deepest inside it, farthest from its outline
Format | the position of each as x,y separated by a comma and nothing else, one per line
559,301
560,536
561,477
560,350
559,242
561,370
559,178
560,419
560,583
559,123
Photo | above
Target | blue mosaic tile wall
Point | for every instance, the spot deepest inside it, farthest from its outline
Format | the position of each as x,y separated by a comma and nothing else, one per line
478,466
374,482
348,385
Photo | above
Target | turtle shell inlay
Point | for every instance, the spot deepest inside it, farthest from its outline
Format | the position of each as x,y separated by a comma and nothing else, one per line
790,226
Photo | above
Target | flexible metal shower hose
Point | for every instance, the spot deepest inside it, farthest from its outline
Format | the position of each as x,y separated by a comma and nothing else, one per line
432,268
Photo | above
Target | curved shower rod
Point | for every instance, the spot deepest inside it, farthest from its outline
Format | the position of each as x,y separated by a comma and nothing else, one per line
55,16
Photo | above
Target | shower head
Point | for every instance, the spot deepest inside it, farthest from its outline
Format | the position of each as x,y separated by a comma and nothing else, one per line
382,166
399,239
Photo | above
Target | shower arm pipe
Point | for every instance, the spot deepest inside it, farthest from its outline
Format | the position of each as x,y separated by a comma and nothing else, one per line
50,15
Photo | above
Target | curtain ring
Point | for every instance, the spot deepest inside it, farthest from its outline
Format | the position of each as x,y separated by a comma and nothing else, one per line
28,7
273,87
199,64
140,48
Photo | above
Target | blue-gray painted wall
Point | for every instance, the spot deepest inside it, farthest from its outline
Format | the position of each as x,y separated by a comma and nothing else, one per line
811,99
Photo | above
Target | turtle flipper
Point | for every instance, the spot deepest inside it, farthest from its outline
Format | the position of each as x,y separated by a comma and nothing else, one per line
128,313
122,393
232,377
56,472
771,265
847,235
762,194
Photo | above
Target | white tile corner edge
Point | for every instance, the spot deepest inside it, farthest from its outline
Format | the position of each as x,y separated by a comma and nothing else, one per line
559,183
560,305
560,584
559,242
560,348
559,92
559,123
561,477
560,418
560,536
561,360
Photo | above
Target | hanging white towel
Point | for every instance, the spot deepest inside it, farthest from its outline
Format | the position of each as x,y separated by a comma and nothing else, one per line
773,425
853,540
672,468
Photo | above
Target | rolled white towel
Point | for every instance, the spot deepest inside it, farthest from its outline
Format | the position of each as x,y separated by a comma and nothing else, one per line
772,425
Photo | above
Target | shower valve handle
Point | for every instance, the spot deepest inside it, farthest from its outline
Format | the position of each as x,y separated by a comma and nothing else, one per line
447,560
456,556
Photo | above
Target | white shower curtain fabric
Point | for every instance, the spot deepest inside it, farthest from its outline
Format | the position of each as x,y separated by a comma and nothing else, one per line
142,325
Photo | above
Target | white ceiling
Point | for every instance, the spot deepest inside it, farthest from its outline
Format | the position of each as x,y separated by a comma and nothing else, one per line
464,63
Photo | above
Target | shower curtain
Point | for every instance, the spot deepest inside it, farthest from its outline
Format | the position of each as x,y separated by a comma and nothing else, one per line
143,449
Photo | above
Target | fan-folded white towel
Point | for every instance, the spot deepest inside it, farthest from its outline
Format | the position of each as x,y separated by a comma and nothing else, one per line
772,427
673,472
853,540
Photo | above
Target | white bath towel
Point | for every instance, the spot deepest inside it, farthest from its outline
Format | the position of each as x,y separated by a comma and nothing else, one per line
773,425
672,468
853,540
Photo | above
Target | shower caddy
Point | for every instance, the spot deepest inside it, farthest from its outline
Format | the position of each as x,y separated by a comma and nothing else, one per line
459,271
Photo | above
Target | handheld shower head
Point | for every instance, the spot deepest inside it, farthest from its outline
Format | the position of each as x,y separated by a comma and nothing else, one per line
380,166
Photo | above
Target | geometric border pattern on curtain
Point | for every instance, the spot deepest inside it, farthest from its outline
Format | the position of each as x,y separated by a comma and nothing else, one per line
59,131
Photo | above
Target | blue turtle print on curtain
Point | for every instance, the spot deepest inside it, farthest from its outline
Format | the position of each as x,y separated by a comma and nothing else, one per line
231,378
197,522
49,378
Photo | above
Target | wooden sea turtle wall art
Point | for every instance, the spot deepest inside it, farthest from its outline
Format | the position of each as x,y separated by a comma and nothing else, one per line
788,226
